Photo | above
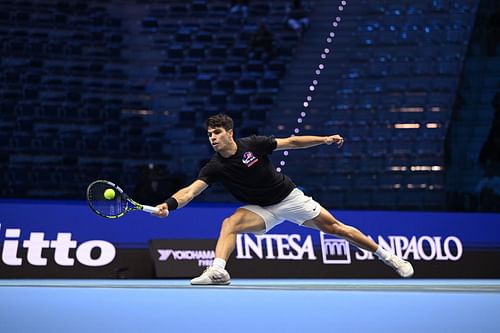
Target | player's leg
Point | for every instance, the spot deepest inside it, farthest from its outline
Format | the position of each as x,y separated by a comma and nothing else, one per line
327,223
242,221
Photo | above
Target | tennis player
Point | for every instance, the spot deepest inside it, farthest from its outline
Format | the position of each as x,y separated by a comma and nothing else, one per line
270,197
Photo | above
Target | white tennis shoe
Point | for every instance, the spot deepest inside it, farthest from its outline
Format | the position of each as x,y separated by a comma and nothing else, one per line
212,275
403,267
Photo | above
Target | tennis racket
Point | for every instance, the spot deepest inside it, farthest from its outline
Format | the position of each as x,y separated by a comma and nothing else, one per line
115,203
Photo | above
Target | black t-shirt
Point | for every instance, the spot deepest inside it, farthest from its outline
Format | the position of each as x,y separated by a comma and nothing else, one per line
249,175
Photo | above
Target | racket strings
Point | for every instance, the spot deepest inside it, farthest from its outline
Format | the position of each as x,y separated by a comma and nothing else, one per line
108,207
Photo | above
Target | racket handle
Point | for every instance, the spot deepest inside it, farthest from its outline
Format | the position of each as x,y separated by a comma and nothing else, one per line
150,209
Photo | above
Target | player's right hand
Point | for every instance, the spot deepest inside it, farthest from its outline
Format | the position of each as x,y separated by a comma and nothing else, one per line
162,210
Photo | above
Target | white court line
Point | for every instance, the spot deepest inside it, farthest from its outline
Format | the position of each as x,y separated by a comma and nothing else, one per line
465,286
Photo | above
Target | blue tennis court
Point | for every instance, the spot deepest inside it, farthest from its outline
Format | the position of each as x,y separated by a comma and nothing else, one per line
264,305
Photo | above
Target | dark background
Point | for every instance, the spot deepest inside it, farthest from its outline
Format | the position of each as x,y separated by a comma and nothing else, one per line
119,90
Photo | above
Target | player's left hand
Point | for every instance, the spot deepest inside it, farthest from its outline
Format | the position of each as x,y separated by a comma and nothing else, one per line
337,139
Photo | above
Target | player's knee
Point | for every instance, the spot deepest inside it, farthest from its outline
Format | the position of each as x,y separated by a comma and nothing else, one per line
344,231
336,229
228,226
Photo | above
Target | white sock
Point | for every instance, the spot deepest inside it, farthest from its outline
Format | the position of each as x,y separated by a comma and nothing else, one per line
382,254
219,263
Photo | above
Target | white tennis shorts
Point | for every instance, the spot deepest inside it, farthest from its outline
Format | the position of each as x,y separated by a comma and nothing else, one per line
296,208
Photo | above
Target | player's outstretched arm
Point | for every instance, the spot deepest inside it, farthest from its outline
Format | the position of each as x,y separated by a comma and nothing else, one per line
306,141
182,197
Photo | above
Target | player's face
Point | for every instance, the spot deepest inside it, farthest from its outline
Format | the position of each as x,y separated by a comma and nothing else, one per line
219,138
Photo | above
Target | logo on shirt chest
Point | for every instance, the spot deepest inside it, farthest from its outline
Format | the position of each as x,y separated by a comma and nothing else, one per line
249,159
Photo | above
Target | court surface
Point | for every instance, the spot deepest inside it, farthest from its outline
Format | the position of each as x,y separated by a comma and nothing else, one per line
265,305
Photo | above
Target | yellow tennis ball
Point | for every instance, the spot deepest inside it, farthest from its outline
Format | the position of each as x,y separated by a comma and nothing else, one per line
109,194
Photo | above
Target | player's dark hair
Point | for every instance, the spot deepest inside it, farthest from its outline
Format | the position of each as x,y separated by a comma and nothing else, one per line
219,120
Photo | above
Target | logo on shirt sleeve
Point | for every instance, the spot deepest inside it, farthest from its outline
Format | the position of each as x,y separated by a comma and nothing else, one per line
249,159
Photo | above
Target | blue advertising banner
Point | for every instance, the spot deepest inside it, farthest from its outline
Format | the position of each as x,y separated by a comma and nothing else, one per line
66,239
202,221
